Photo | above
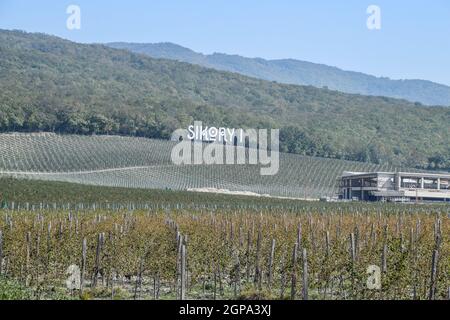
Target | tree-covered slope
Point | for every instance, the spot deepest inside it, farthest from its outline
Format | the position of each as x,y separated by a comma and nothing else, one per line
51,84
299,72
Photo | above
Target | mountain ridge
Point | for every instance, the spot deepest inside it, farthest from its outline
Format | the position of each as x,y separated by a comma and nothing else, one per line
52,84
299,72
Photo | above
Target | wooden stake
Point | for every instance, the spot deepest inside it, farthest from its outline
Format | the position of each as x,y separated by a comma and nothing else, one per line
384,259
294,272
327,243
352,248
183,273
237,275
97,259
305,275
138,284
215,284
433,280
257,278
283,275
28,238
1,252
249,239
83,264
271,257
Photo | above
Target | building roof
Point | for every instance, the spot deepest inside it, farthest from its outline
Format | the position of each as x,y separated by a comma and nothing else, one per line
409,174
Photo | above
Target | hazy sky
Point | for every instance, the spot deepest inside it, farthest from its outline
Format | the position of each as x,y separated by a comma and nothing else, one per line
414,40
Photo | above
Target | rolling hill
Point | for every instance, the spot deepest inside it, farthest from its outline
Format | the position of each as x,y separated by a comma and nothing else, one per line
145,163
54,85
299,72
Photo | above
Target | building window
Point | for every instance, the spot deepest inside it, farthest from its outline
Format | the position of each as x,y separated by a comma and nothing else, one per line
411,183
430,184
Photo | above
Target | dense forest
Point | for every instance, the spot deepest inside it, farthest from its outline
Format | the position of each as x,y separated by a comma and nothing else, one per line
51,84
300,72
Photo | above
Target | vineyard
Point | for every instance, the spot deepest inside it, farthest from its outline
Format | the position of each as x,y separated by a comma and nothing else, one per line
144,163
80,219
313,252
43,195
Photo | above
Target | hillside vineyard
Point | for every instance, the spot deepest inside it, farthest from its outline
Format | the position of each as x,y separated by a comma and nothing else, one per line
145,163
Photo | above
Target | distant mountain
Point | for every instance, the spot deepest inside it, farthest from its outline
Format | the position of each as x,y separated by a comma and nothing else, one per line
55,85
302,73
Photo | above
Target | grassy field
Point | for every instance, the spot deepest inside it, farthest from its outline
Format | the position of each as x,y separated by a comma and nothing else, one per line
18,193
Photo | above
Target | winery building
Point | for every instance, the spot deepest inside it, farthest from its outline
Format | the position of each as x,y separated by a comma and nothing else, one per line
394,186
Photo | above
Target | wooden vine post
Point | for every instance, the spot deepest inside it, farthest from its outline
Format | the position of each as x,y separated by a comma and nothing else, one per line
305,274
294,272
183,273
433,280
97,259
258,277
271,258
83,264
1,252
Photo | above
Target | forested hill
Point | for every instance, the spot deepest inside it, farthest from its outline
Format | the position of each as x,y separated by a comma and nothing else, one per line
300,72
51,84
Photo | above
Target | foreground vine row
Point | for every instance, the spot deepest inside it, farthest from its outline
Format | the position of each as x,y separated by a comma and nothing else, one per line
226,254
